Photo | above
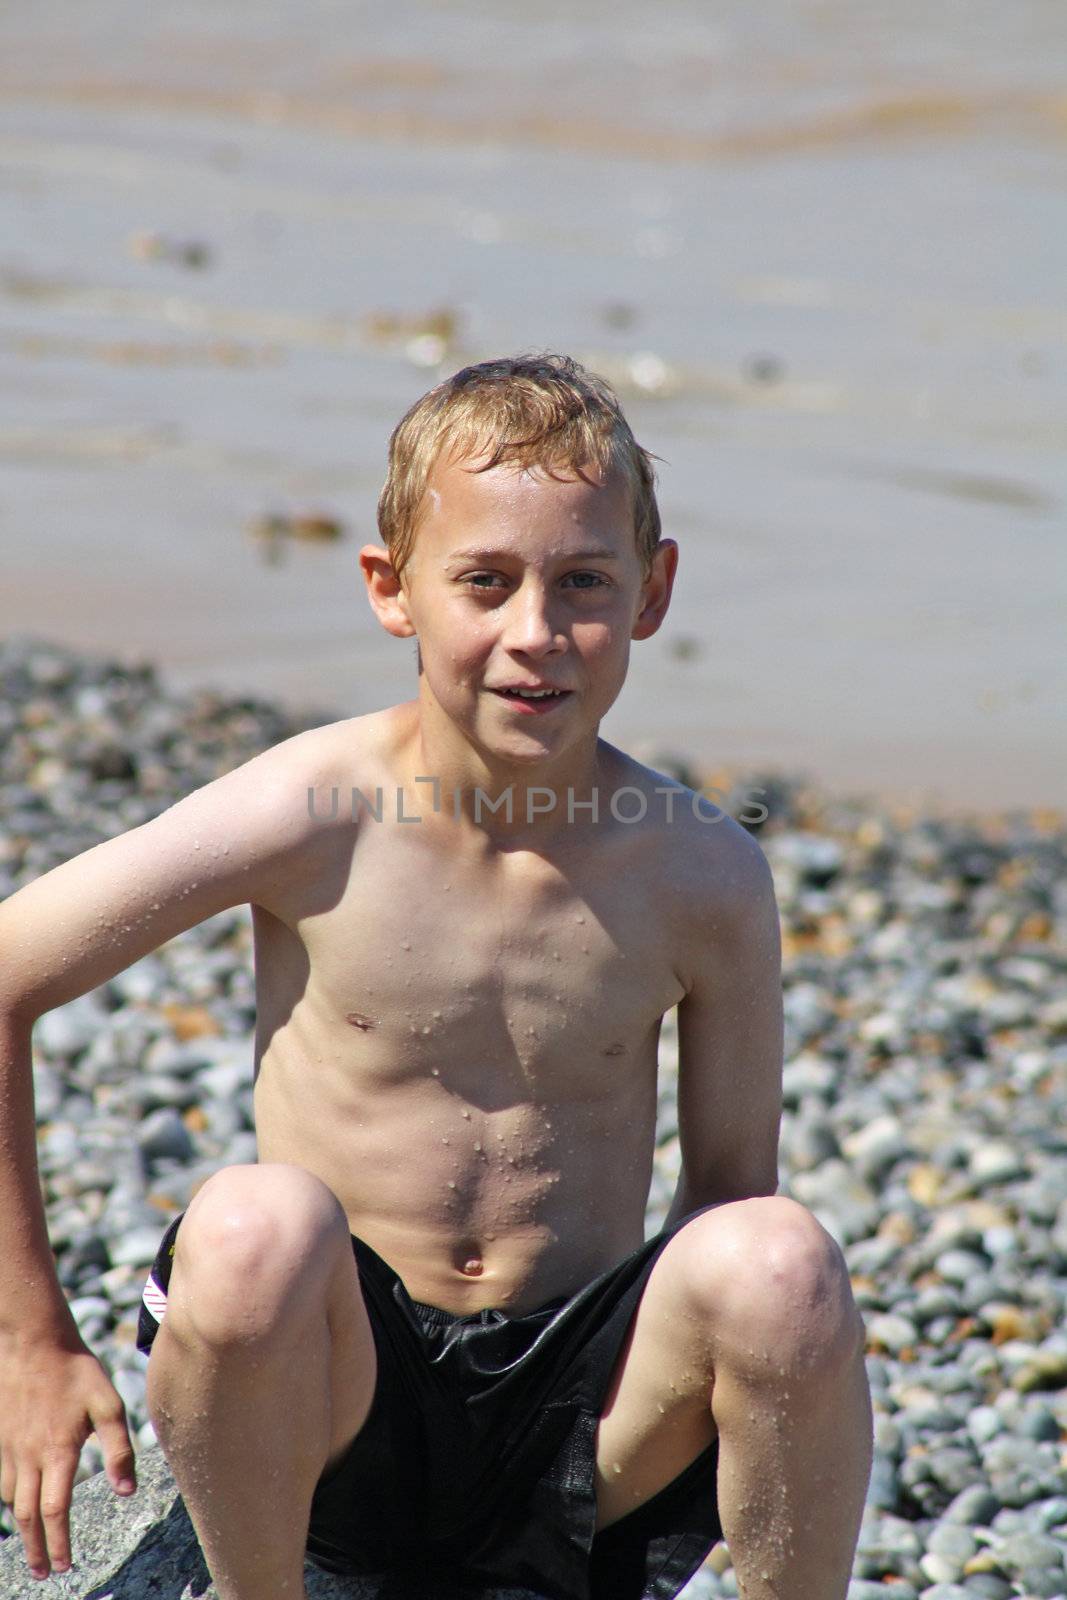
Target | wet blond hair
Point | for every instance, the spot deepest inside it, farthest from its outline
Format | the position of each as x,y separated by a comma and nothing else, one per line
528,410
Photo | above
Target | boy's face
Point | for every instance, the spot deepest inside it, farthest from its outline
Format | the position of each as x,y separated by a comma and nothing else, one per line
519,580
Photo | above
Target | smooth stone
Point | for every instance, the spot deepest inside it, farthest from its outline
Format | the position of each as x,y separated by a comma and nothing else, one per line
877,1145
972,1508
811,1142
892,1331
1050,1513
48,1091
1029,1550
137,1248
808,1074
960,1266
868,1589
952,1541
883,1487
987,1586
69,1029
163,1136
954,1468
1038,1422
1044,1369
1000,1242
985,1423
1042,1584
887,1434
938,1300
940,1569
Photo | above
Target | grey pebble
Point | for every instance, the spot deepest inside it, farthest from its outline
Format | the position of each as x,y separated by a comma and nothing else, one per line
163,1136
987,1586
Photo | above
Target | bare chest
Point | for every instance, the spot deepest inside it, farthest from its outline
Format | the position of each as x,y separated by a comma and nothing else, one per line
536,978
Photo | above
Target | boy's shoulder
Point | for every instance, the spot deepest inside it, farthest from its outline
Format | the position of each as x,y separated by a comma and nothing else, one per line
704,855
682,814
333,755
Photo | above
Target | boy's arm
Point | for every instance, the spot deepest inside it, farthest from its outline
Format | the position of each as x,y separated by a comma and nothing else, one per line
234,840
730,1039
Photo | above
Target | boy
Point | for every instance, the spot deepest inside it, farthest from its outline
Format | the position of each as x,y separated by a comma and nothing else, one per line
423,1333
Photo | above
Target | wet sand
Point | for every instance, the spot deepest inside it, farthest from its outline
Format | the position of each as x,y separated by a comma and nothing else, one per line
821,252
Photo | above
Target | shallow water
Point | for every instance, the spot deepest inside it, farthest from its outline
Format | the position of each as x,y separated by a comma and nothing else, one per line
820,248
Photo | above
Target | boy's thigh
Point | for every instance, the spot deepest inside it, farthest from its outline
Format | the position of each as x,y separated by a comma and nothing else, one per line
263,1258
656,1418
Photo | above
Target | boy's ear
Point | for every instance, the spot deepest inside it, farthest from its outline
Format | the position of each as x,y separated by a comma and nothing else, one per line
388,600
656,590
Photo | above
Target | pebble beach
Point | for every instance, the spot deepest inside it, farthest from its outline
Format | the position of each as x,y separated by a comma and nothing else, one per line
925,1096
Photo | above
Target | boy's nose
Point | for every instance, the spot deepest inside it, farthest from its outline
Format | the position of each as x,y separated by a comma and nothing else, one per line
530,624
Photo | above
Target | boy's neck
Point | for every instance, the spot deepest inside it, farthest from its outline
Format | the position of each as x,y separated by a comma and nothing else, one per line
505,803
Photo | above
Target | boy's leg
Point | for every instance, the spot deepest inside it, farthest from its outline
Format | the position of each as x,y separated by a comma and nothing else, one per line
747,1328
263,1370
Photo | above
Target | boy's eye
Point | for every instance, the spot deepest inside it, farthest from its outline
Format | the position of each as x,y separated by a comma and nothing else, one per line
485,581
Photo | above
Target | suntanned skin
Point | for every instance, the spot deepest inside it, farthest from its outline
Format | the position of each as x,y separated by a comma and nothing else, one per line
490,1009
456,1060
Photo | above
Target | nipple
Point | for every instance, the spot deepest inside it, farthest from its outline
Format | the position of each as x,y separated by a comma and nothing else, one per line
473,1266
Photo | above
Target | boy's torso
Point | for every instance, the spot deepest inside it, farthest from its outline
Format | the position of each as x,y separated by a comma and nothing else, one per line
461,1040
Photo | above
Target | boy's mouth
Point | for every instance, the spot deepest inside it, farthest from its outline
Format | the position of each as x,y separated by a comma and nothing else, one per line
534,699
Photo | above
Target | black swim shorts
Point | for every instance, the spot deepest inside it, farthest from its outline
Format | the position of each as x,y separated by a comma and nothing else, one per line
476,1463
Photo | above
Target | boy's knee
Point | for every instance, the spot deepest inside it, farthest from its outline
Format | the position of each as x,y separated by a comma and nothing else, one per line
765,1273
251,1251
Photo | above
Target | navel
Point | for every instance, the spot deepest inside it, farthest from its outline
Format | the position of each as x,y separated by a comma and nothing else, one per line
360,1020
615,1049
473,1266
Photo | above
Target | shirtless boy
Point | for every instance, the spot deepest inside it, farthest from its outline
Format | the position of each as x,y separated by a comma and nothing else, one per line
425,1333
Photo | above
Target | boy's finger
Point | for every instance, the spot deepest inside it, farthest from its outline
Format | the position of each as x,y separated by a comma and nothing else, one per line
109,1425
56,1486
27,1514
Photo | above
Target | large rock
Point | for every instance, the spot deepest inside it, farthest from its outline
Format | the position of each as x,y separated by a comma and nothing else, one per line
144,1548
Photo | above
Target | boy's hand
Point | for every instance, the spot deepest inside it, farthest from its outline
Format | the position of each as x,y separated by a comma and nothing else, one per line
52,1397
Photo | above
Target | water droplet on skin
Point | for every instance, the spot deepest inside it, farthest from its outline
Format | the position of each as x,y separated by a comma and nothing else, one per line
451,1185
435,1072
437,1016
556,956
477,1146
663,1411
467,1115
405,944
426,1031
615,1467
579,919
